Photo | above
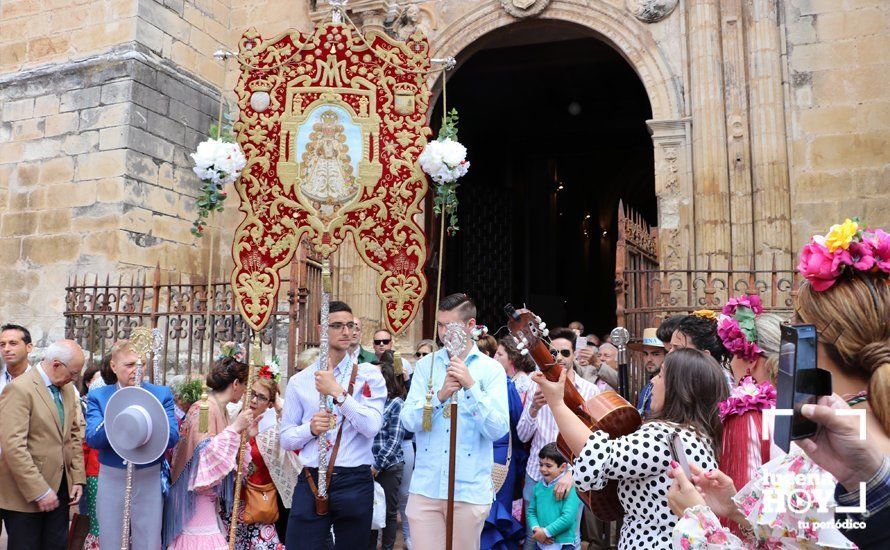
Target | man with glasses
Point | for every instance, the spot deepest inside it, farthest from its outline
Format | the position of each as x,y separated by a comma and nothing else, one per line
41,467
538,425
364,356
146,531
354,396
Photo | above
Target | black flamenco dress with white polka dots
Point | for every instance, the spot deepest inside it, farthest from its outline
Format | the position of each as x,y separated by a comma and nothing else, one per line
640,462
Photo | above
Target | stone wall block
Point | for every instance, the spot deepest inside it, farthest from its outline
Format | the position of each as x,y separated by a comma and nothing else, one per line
150,145
68,195
50,249
144,96
17,224
117,92
24,174
144,74
19,109
102,164
189,116
62,123
141,166
54,221
164,18
57,170
46,105
81,99
113,138
28,129
167,128
84,142
42,149
104,117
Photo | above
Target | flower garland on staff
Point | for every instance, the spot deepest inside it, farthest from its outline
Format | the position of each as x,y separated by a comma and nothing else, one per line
218,163
445,161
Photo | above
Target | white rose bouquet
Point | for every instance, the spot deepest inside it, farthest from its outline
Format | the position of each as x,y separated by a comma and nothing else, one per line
218,162
445,161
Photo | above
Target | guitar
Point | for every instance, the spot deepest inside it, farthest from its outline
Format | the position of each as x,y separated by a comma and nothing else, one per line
606,411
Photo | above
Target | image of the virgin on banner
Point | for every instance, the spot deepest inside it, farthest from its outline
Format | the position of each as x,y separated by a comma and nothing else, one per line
331,124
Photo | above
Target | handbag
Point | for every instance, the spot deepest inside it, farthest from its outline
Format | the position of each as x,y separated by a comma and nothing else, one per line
260,503
499,471
78,531
378,518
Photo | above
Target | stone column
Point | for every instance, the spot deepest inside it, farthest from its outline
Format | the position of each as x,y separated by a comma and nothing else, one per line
709,167
738,146
769,156
673,187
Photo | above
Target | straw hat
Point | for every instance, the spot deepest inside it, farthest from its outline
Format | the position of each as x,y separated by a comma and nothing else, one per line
650,340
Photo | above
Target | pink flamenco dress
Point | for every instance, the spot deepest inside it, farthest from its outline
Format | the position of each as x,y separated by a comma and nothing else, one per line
202,486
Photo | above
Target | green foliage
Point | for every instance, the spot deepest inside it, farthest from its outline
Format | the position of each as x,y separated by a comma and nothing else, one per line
446,200
449,125
190,391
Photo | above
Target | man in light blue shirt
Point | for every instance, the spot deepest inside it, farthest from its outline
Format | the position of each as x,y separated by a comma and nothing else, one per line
478,384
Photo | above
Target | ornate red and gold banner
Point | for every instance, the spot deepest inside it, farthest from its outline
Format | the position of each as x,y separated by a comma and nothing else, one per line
331,124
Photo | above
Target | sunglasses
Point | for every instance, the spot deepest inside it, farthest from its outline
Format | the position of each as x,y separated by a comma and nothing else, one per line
382,342
564,352
419,354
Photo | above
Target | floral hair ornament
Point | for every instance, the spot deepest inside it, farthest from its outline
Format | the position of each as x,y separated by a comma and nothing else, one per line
234,350
479,331
846,248
271,370
706,314
748,396
736,327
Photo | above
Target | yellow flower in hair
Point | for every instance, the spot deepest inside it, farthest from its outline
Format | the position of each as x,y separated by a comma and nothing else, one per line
706,314
841,235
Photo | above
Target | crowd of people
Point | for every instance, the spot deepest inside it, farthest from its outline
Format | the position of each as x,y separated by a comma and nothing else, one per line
350,453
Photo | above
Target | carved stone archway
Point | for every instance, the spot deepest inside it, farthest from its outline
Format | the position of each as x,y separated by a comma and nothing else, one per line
670,125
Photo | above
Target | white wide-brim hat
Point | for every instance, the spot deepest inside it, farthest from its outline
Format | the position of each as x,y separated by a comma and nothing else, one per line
136,425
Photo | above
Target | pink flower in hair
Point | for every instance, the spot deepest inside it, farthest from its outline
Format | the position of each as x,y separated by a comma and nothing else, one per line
821,267
880,244
862,256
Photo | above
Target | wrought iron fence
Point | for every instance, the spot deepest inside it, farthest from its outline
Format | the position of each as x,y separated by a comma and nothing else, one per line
645,297
99,312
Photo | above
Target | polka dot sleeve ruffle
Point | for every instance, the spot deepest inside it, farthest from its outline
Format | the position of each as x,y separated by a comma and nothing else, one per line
642,454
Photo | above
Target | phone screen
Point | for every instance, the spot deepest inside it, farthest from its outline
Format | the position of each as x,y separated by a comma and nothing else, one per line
800,382
680,454
582,342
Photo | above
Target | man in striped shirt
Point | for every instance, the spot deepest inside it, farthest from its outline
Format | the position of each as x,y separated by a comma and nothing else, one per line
538,425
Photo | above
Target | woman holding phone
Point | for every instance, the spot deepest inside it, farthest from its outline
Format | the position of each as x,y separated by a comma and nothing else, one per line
847,298
684,401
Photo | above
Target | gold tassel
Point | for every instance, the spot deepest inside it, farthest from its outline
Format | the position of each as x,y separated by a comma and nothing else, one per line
204,413
428,413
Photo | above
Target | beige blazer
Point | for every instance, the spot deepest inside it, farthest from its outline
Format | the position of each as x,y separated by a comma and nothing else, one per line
37,448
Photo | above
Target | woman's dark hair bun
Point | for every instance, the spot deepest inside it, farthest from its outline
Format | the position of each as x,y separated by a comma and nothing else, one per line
224,372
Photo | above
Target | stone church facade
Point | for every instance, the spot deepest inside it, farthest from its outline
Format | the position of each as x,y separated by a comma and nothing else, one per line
770,120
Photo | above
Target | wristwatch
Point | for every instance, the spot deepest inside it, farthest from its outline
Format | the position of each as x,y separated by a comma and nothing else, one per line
340,399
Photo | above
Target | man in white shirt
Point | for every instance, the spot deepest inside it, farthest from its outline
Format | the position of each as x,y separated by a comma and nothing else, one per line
538,425
353,409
